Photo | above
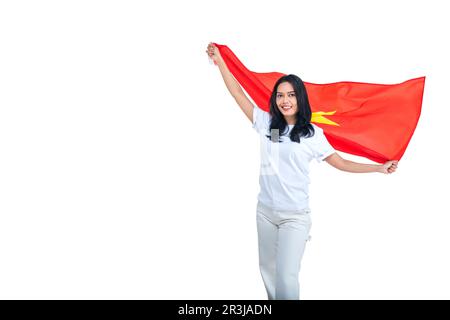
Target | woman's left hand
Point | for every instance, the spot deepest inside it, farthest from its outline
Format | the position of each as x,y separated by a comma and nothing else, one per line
389,167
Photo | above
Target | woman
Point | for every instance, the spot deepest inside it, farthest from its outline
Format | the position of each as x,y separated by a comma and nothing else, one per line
289,141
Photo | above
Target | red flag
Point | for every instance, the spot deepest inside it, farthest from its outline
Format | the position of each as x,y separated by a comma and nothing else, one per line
375,121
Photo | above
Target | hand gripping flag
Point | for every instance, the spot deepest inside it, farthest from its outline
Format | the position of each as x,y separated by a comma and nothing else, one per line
375,121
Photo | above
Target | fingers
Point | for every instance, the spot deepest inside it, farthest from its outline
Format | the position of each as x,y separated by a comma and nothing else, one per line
211,47
390,166
391,169
210,50
393,164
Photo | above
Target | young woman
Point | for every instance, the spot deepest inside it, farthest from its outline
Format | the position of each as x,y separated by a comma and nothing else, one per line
289,141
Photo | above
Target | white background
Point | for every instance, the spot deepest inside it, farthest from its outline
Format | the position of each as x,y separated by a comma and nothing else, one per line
127,171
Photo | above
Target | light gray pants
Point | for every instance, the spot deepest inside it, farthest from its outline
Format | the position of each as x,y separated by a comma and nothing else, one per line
282,236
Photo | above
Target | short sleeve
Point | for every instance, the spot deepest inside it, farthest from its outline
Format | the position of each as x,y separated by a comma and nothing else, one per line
261,120
320,146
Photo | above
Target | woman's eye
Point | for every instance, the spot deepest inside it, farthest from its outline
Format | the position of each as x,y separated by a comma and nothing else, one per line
290,95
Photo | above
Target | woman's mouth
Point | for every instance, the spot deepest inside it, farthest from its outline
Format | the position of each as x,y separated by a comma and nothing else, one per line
286,107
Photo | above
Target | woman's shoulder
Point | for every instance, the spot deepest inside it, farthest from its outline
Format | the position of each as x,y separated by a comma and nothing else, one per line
261,118
317,128
318,133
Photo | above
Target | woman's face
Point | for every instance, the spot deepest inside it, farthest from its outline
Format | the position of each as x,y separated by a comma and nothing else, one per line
287,101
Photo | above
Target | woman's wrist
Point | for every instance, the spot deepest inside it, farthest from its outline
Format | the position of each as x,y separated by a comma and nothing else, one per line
220,60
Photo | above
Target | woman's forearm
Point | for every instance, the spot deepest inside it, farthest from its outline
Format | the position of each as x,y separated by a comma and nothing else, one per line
356,167
231,83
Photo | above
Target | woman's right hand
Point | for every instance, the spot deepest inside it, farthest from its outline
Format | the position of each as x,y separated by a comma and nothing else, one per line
214,53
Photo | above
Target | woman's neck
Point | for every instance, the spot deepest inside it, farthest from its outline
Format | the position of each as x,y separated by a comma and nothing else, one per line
291,120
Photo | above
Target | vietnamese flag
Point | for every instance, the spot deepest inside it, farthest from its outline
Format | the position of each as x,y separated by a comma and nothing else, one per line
375,121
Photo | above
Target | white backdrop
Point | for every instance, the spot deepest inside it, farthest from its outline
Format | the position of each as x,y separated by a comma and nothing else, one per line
127,171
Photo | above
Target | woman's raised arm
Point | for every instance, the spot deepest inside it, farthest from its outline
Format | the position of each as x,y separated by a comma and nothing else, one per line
232,85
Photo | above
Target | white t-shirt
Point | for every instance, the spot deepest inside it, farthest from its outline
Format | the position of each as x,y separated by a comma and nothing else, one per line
284,172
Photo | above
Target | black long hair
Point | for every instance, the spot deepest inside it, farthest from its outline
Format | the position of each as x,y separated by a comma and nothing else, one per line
303,126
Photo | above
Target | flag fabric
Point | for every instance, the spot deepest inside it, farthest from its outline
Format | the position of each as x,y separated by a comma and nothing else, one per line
375,121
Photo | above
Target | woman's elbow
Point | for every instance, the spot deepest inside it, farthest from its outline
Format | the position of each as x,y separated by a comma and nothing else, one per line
337,161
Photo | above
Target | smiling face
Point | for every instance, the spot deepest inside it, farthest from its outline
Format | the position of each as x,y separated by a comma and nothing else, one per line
287,102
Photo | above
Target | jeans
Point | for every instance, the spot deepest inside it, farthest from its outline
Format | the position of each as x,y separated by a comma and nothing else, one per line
282,237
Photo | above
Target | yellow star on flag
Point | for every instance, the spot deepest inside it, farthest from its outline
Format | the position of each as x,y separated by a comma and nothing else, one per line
318,117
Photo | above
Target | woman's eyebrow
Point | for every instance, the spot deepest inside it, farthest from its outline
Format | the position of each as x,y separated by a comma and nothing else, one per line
283,92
